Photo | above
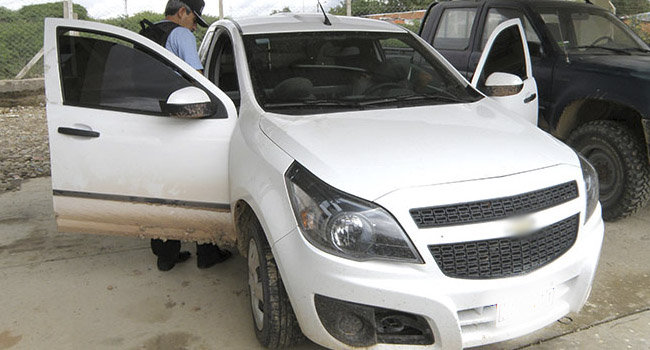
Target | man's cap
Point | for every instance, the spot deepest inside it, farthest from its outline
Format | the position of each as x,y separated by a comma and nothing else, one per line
197,8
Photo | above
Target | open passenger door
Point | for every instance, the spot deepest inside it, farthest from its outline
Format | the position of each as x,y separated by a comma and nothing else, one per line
504,71
139,140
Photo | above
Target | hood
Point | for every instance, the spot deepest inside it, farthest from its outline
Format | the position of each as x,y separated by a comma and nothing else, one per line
372,153
634,65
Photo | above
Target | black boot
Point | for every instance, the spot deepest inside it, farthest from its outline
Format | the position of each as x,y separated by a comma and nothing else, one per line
168,253
208,255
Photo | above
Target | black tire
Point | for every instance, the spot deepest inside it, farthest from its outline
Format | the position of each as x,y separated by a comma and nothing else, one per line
621,162
278,326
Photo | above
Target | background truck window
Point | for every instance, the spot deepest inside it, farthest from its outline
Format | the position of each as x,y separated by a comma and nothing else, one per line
497,16
454,29
506,55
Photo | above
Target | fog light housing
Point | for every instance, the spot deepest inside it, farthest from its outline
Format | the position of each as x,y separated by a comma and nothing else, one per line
363,325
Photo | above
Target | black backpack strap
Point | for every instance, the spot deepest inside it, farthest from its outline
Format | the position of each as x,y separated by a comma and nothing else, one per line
158,32
144,24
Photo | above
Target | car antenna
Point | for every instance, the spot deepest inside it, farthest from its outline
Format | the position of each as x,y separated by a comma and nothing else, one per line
327,20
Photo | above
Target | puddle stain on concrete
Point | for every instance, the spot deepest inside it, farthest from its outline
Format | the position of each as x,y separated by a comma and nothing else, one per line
116,341
169,341
23,245
14,220
149,310
39,240
7,340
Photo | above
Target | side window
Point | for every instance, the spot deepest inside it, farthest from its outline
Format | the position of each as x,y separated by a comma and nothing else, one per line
454,29
506,55
497,16
203,49
552,20
104,72
224,72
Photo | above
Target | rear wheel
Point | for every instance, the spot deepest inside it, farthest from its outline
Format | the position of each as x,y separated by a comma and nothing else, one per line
621,162
275,323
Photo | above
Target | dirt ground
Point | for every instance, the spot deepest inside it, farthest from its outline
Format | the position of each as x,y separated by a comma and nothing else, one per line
24,151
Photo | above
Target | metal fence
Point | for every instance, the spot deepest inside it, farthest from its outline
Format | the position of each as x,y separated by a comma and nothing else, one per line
21,21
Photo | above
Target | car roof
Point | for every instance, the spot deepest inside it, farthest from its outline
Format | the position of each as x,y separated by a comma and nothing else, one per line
301,22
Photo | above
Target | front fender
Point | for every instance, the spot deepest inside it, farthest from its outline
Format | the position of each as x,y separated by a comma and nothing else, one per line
256,174
572,84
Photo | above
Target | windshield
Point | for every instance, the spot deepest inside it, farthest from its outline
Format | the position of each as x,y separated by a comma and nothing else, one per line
324,72
583,30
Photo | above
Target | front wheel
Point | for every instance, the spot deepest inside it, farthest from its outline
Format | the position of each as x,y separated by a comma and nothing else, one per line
621,162
275,323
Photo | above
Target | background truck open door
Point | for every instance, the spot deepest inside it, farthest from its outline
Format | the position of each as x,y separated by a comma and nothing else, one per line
507,52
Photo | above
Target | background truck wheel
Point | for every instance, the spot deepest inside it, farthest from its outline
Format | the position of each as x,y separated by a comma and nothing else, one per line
275,323
621,163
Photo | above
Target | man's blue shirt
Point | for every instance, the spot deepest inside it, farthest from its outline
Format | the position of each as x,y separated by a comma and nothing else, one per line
182,43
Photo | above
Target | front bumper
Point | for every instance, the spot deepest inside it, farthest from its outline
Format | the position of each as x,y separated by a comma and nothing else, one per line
460,312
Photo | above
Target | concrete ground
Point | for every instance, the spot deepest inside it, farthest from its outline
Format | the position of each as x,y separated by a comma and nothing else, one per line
66,291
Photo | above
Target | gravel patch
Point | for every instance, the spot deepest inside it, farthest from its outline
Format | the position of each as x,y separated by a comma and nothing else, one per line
24,149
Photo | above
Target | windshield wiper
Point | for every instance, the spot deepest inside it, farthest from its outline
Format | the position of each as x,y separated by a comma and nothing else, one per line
309,103
604,48
628,49
407,98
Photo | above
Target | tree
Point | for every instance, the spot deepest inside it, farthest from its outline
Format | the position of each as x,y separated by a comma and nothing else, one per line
368,7
631,7
52,9
286,9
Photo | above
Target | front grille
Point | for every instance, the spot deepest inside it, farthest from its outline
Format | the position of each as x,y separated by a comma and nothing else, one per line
494,209
504,257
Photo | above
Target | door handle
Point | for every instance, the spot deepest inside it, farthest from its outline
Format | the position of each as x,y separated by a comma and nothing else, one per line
78,132
530,98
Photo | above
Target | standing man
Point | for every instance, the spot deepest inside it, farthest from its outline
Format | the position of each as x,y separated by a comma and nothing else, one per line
175,33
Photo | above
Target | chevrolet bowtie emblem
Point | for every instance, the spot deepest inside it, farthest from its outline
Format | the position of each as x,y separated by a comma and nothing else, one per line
520,225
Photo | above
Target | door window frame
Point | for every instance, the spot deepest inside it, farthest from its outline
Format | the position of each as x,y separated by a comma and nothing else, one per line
216,50
220,110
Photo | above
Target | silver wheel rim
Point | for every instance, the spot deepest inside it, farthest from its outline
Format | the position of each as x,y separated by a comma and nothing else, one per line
255,285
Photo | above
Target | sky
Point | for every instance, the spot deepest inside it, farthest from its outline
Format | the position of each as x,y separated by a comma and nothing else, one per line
235,8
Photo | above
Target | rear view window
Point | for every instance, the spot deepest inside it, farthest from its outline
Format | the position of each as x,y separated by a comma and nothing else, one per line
454,29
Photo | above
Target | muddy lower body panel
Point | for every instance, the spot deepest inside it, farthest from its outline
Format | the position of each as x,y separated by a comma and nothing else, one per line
144,220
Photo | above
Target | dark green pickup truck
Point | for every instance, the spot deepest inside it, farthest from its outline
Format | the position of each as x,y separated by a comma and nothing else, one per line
593,77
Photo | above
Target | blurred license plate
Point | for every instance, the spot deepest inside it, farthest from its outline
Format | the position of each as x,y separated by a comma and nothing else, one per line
524,306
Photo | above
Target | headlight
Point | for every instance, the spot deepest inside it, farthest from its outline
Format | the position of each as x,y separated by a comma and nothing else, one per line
344,225
591,185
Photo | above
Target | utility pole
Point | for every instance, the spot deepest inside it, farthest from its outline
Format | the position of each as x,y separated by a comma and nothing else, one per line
348,7
126,10
68,10
220,9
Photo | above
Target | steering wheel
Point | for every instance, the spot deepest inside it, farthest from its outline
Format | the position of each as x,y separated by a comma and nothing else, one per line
605,38
383,86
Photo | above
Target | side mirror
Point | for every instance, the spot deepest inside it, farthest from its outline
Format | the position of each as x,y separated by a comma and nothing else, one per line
188,102
503,84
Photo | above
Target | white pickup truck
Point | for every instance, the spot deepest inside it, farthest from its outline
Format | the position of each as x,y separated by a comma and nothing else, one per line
380,199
